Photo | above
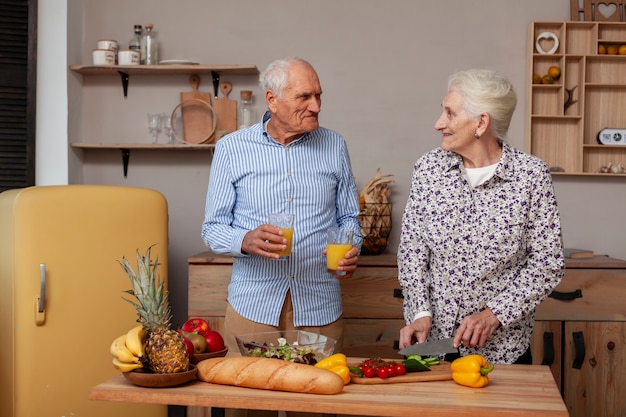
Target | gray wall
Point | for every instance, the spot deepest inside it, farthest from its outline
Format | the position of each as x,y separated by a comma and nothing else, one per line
383,67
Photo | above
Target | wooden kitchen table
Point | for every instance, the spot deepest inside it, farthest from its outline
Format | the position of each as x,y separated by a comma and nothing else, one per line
513,390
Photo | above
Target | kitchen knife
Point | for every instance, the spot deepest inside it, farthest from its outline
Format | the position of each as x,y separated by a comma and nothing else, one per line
435,347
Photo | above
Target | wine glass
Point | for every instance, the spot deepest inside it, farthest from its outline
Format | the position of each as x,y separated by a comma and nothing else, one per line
154,125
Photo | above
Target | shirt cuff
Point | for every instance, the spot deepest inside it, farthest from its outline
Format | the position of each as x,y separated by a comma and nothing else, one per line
422,314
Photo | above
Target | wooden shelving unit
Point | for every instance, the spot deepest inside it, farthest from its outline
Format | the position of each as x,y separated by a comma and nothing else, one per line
565,136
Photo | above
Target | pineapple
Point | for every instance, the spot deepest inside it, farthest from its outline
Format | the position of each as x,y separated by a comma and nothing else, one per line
165,348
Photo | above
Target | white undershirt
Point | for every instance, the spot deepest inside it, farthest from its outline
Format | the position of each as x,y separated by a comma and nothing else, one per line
477,176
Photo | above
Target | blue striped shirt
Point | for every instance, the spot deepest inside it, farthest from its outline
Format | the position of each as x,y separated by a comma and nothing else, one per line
253,175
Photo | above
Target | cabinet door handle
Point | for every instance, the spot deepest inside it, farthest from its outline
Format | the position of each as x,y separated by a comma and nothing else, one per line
566,296
548,348
397,293
579,349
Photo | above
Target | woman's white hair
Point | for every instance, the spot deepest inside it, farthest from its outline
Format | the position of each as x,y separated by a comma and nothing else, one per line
276,75
486,91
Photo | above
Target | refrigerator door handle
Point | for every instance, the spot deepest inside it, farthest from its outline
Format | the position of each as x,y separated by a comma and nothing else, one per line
40,305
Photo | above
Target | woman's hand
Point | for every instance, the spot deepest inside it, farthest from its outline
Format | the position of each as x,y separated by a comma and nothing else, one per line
265,240
416,332
476,329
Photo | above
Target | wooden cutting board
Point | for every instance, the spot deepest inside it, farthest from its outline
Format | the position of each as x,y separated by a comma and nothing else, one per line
439,372
225,110
197,114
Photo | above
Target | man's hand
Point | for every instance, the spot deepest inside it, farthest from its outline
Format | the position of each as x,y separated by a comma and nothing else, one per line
348,264
264,241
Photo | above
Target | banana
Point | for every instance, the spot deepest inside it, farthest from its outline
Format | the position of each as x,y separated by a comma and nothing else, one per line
121,352
125,367
134,340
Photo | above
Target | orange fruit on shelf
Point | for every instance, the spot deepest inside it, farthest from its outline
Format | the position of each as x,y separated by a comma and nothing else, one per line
602,49
622,50
536,79
554,72
611,50
547,79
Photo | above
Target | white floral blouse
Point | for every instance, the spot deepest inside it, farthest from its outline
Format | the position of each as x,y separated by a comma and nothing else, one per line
464,249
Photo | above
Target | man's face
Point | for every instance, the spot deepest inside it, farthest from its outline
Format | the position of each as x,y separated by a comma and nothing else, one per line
296,111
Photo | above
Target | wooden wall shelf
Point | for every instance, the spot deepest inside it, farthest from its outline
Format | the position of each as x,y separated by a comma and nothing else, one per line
126,147
165,69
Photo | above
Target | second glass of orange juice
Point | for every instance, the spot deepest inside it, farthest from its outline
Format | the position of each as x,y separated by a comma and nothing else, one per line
338,244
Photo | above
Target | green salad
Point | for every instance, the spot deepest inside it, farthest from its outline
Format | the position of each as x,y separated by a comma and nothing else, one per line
284,351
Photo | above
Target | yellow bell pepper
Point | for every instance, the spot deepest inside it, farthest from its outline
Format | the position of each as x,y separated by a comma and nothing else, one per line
337,363
471,371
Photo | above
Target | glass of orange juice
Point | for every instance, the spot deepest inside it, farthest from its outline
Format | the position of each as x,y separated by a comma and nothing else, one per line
285,222
338,243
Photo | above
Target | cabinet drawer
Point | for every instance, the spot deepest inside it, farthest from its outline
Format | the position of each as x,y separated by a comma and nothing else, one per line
367,338
208,288
373,292
602,293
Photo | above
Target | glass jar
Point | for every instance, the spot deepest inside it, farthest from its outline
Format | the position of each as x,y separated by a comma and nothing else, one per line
246,110
149,47
135,43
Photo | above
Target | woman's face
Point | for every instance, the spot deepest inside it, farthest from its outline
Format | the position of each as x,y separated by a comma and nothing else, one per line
457,129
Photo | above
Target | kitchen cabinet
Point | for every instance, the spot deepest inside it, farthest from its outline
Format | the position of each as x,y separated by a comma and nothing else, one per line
372,301
563,119
586,309
580,333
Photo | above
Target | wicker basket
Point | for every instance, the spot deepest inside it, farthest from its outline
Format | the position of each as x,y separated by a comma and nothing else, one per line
375,227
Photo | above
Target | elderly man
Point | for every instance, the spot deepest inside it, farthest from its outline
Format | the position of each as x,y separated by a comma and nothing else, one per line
285,163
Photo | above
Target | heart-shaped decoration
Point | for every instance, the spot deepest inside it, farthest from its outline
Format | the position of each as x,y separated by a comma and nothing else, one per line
547,43
606,9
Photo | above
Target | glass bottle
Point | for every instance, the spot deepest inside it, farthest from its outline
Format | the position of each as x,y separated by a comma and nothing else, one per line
246,110
135,43
149,47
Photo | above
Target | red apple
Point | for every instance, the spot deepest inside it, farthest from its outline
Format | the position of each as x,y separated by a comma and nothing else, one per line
196,325
190,348
214,341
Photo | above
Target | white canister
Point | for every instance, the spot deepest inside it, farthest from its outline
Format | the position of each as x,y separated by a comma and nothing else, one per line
103,57
107,44
128,57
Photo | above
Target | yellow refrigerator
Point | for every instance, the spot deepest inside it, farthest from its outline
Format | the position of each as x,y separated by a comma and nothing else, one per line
61,290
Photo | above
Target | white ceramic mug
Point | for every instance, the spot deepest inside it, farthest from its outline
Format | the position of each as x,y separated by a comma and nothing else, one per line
103,57
107,44
128,57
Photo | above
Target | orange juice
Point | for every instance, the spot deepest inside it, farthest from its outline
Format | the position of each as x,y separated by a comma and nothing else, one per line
288,234
335,252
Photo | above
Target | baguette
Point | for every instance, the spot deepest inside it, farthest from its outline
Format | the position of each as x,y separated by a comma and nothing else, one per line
270,374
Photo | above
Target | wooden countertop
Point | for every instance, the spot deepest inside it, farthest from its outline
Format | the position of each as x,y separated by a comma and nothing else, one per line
390,259
513,390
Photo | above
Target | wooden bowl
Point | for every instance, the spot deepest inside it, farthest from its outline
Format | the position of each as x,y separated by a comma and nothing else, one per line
198,357
151,380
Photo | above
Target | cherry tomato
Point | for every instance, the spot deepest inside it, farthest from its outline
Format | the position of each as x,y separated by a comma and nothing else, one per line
400,369
369,372
391,370
382,373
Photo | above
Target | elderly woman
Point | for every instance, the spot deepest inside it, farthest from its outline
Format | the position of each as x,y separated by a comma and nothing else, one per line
481,242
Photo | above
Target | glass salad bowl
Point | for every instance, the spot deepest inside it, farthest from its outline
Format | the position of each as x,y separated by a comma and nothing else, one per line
291,345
